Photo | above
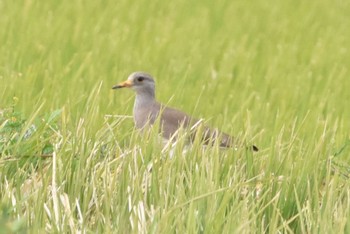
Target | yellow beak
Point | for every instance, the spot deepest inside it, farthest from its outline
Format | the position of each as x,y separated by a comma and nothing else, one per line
125,84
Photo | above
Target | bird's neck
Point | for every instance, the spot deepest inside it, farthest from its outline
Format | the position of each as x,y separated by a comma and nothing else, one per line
144,99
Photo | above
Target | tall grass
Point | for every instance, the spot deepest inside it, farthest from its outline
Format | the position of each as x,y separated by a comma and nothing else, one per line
273,73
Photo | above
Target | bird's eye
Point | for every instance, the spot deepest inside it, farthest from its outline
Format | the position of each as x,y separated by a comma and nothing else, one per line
140,79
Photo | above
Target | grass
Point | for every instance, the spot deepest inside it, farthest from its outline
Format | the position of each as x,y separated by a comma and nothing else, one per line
273,73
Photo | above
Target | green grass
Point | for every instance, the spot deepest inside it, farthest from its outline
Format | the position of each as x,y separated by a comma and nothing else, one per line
275,73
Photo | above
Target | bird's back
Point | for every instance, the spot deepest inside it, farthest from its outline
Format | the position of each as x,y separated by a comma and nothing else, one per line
173,119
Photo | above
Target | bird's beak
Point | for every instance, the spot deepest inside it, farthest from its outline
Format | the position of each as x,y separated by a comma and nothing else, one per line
125,84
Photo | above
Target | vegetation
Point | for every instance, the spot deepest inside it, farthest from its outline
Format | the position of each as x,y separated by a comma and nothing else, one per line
274,73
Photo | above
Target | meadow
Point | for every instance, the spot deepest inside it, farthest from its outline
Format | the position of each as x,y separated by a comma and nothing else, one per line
273,73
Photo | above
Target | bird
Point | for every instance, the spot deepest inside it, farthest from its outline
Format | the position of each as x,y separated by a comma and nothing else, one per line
147,109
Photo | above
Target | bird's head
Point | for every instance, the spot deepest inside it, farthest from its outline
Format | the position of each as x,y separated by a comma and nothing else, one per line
141,82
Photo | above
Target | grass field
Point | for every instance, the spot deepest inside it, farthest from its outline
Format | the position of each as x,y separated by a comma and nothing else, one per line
274,73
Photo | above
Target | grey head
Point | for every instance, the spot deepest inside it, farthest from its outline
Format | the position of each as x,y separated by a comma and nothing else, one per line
141,82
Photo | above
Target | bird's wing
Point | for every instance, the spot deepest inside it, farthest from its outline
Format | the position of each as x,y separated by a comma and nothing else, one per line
173,119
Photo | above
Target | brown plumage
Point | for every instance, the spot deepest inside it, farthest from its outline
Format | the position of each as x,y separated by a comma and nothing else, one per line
147,109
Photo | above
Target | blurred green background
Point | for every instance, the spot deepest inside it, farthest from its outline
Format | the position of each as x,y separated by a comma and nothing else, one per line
268,57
